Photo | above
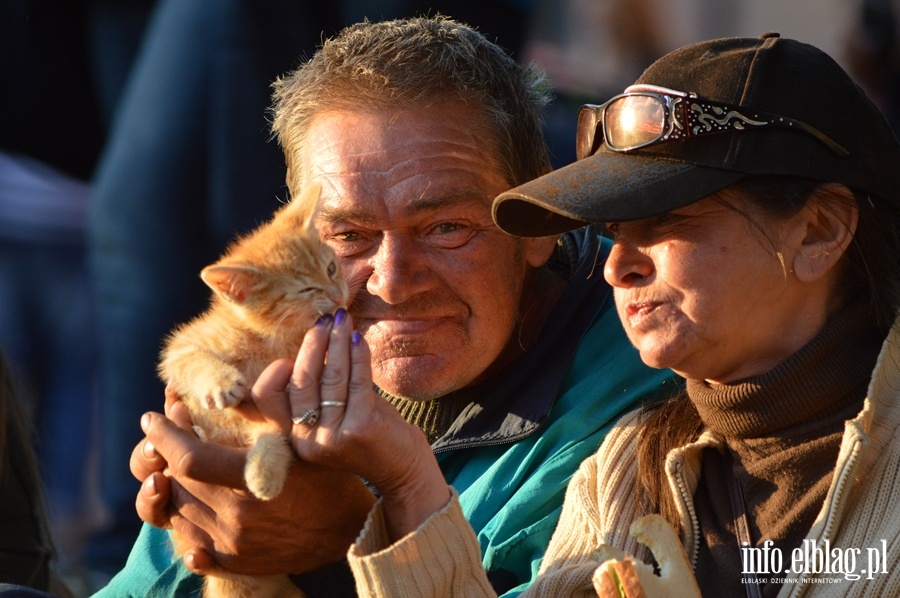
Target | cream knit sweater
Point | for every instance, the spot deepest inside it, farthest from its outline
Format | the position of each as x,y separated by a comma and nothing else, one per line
442,558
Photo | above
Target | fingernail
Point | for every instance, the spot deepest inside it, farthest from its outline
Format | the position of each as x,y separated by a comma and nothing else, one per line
323,320
340,315
189,561
148,450
150,486
355,338
145,422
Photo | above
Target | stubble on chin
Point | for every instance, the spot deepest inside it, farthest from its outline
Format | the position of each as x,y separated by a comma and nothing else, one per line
403,379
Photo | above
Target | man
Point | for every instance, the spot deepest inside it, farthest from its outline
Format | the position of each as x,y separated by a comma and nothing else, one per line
504,351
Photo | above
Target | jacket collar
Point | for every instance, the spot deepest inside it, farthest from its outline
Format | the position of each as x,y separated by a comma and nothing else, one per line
515,404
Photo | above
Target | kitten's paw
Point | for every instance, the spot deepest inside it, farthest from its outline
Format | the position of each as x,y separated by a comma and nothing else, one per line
267,466
201,433
229,391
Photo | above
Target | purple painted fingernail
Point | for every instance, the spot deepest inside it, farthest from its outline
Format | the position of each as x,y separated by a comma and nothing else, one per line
355,338
323,320
340,315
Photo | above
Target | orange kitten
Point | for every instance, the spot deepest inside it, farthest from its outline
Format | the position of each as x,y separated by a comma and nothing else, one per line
269,288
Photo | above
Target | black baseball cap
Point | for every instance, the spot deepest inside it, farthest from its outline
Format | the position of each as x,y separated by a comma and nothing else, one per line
770,73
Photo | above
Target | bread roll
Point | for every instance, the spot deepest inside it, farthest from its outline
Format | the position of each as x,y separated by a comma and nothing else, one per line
621,576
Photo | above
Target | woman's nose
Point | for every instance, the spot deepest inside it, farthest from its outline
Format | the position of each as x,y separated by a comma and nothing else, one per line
626,265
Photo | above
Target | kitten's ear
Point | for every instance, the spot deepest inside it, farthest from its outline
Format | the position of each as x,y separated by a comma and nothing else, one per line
307,203
232,283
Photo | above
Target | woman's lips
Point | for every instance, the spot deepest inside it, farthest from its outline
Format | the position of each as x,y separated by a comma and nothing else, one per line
638,312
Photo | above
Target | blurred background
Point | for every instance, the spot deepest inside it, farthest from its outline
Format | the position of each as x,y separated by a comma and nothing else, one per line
134,145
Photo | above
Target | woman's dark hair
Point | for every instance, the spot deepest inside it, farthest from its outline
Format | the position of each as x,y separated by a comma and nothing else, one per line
872,268
871,274
26,548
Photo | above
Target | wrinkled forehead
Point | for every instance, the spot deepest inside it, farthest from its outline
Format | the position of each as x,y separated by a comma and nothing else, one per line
400,160
380,212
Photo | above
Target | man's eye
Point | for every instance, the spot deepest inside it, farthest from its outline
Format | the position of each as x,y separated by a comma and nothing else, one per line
612,229
350,243
449,235
447,227
347,237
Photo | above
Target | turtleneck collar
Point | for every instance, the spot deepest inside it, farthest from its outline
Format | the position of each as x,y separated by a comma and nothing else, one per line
825,376
434,417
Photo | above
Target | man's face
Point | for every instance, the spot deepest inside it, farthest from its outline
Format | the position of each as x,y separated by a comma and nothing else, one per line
405,203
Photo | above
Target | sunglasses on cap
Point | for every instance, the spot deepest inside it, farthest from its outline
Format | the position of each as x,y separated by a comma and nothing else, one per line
646,115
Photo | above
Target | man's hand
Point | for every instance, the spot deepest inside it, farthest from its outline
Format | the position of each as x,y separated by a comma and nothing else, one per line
197,489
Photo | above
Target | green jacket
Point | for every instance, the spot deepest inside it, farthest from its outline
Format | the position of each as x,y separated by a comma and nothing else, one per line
512,452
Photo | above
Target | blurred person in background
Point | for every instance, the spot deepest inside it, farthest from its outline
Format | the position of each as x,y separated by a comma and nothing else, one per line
590,49
27,553
873,49
52,129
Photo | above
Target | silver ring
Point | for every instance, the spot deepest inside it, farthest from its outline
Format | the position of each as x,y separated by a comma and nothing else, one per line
309,418
333,404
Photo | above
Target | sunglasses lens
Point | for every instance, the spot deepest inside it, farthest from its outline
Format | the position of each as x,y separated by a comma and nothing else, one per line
586,138
633,121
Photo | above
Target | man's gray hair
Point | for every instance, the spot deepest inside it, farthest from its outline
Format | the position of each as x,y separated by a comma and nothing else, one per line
403,63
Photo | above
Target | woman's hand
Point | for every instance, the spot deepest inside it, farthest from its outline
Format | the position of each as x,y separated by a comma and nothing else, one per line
339,421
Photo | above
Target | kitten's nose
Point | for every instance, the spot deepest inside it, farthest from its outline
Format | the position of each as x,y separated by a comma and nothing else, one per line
339,297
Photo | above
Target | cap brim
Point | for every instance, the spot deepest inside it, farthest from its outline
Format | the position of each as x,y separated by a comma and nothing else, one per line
605,187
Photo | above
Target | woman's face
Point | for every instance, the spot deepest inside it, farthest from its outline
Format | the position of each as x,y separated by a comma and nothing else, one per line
702,291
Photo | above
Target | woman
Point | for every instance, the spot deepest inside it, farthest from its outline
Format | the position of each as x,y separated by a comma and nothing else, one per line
27,554
752,190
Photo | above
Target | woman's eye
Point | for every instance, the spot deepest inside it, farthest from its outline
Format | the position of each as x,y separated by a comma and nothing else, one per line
664,218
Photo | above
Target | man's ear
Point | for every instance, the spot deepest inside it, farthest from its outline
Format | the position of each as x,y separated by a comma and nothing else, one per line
830,218
539,249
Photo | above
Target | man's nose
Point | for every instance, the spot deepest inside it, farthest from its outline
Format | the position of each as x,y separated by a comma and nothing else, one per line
399,269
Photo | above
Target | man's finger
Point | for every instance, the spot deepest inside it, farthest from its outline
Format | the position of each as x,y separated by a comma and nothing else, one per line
152,503
269,393
195,505
145,460
180,416
188,456
198,561
172,397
